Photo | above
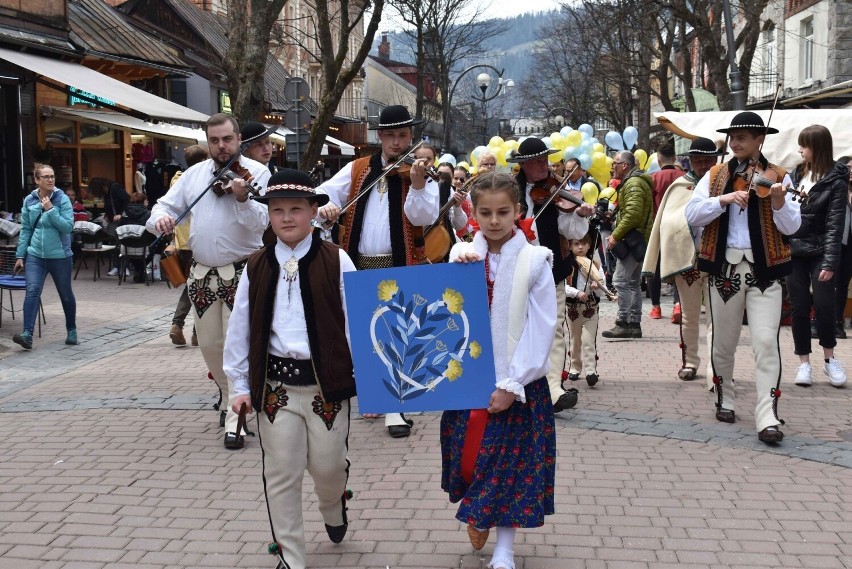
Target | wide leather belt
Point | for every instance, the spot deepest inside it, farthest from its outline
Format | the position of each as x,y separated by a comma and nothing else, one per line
290,371
374,262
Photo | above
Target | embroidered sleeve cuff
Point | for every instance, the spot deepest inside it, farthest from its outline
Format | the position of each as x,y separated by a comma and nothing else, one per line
241,386
514,388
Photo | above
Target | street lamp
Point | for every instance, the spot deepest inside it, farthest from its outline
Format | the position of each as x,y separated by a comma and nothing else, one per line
483,82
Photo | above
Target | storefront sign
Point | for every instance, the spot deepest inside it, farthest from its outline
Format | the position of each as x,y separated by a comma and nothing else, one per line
224,102
73,100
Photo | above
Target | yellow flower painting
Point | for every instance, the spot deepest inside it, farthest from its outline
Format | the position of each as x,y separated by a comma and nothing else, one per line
454,370
475,349
387,289
454,300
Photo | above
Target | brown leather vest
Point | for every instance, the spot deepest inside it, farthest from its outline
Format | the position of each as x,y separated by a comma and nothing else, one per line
319,281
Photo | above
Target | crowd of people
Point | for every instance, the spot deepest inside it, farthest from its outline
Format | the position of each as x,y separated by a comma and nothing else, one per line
264,262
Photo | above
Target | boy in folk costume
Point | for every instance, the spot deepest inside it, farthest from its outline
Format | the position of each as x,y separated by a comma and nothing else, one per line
287,355
500,462
581,308
674,243
745,252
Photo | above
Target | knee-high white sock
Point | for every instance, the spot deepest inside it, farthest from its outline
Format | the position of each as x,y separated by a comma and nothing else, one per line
506,539
503,555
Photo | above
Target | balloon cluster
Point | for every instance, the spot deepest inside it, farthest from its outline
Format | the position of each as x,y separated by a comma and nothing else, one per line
581,145
628,140
501,149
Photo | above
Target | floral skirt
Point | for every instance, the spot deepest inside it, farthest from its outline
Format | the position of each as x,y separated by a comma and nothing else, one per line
514,474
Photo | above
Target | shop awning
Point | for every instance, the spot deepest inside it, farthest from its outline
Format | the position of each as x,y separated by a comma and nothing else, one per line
113,119
345,148
781,148
100,85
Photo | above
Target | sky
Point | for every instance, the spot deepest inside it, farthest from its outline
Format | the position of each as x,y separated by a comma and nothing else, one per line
506,8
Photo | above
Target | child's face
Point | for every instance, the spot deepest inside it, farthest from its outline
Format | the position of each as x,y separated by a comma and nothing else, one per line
495,212
579,248
291,219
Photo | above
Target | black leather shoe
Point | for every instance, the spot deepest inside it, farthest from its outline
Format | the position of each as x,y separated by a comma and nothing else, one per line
636,330
234,441
566,401
770,435
336,533
725,415
618,332
399,431
592,379
222,415
573,377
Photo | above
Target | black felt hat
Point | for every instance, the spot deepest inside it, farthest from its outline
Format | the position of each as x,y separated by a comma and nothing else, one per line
395,116
531,148
704,147
748,119
288,183
253,131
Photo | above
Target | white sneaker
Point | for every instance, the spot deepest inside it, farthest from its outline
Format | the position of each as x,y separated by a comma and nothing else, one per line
803,375
834,370
113,272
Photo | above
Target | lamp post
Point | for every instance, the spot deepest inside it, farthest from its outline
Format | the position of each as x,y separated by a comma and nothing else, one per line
483,82
738,94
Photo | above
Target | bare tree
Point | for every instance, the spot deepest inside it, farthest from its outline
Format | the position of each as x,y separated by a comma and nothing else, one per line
447,35
331,28
249,25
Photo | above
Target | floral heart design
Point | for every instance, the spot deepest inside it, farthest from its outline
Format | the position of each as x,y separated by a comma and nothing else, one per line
420,343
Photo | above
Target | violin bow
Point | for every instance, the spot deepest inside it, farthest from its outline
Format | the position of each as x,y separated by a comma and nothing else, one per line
555,191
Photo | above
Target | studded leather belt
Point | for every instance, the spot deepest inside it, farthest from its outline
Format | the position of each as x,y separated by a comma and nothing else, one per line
290,371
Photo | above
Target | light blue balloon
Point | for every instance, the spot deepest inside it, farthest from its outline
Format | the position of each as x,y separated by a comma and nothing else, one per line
587,128
631,137
613,140
448,158
570,152
585,161
565,130
546,141
587,146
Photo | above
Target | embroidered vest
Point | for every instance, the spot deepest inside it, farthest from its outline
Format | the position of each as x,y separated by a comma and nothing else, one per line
770,248
319,281
407,245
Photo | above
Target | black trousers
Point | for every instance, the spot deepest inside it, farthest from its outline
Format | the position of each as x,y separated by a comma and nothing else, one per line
805,276
655,287
842,278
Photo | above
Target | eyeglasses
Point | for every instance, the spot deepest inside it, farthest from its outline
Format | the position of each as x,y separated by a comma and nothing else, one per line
48,177
618,163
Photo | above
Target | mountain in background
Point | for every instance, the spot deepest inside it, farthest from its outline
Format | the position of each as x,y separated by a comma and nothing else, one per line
512,50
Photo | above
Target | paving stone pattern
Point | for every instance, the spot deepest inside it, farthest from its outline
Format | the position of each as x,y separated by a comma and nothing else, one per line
113,458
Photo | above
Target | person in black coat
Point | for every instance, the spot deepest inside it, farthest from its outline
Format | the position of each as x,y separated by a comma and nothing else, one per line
815,250
844,271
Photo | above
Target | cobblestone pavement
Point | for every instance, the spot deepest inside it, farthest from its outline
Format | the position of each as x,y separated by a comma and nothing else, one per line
113,458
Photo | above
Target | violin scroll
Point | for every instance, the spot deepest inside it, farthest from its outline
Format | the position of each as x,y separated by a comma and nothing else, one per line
235,172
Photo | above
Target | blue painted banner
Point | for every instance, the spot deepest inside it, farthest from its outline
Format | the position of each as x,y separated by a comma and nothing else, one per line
421,338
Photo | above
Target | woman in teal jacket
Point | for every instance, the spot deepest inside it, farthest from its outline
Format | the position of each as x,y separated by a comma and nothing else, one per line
44,246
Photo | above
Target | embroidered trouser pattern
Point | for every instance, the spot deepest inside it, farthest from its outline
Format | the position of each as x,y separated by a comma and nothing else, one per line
558,347
691,288
730,294
582,319
302,435
212,300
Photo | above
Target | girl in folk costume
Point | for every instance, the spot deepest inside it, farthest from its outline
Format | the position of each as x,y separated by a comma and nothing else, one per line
582,310
500,462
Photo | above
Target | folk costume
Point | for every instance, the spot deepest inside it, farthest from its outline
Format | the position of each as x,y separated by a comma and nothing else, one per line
501,466
384,228
582,319
745,254
552,228
255,131
224,232
287,348
672,246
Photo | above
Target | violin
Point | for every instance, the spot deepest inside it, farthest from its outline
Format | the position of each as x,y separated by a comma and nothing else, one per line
749,178
404,169
235,172
547,190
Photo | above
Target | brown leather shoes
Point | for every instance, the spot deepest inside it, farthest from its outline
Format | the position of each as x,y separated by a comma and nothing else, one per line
477,537
726,415
770,435
176,334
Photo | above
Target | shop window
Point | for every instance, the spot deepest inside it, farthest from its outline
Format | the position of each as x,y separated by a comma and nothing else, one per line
96,134
58,131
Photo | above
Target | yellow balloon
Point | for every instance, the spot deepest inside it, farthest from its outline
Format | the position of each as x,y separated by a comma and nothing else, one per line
574,138
557,140
473,159
641,158
590,193
464,165
609,193
473,170
555,157
599,160
598,147
501,159
495,141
